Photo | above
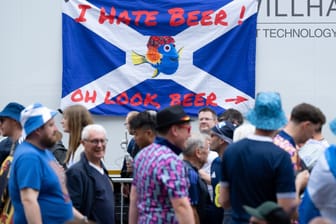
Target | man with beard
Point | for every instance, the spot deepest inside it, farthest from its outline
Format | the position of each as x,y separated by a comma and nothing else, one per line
37,182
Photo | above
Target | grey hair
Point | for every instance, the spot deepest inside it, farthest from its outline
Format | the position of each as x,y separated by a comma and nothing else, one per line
92,127
196,141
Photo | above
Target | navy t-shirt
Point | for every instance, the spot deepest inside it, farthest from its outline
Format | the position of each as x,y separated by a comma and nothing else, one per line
256,171
216,173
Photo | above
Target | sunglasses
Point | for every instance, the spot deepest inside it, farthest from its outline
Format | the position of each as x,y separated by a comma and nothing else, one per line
187,127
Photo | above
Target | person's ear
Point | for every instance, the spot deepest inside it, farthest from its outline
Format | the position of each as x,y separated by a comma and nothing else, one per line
198,152
174,129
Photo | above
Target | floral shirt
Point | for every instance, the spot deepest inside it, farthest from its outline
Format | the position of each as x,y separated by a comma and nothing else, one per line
286,142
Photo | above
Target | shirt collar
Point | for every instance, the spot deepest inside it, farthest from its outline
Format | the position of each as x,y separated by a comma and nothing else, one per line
165,142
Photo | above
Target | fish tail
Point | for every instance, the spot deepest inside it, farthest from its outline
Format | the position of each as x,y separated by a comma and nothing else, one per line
138,59
156,73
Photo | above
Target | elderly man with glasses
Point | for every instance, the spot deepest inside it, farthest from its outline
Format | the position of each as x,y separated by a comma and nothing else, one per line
89,185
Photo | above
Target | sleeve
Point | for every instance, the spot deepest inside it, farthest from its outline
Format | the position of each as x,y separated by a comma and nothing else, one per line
75,187
224,177
29,172
193,189
285,182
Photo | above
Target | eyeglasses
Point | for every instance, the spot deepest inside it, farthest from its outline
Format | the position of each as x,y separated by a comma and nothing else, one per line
97,141
187,127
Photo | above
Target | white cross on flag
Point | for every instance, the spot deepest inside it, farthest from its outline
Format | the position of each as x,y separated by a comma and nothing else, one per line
140,55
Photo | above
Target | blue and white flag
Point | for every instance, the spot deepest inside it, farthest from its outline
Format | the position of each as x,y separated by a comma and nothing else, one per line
126,55
320,195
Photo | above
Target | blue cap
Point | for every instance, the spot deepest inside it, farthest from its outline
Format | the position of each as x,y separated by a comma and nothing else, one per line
13,111
34,116
224,130
267,113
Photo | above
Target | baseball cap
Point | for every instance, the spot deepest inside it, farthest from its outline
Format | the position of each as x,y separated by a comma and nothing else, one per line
269,211
224,130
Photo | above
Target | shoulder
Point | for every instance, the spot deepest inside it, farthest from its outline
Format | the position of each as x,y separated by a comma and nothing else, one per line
237,145
216,161
5,144
76,168
25,151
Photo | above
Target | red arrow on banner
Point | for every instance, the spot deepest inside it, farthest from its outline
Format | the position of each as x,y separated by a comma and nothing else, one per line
238,99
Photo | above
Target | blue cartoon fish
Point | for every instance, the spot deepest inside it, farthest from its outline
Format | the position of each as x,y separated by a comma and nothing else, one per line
161,55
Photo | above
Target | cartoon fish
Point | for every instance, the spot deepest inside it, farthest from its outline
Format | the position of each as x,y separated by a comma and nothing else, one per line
161,55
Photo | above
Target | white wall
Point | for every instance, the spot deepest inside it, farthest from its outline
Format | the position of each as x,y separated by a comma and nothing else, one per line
300,69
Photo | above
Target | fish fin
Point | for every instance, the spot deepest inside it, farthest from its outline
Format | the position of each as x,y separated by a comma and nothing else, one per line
179,52
138,59
156,73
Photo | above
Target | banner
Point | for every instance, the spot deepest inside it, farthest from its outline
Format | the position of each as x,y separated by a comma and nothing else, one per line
140,55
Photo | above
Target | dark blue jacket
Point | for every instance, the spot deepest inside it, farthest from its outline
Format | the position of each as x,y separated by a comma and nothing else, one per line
81,185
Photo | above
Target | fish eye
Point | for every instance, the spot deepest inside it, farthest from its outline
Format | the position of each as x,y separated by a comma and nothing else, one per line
166,47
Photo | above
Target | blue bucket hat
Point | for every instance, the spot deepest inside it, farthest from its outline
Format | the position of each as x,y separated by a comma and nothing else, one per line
12,110
224,130
34,116
332,126
267,113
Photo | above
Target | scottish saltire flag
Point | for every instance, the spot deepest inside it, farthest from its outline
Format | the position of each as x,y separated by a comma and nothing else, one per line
320,195
126,55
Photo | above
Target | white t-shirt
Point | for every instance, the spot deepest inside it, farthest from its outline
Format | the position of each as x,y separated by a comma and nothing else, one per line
75,157
207,168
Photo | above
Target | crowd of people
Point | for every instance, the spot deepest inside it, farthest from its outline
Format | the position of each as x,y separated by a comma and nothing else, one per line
263,167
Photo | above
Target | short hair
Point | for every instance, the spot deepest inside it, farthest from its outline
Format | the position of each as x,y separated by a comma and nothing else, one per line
194,142
130,115
232,115
145,119
307,112
208,109
92,127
